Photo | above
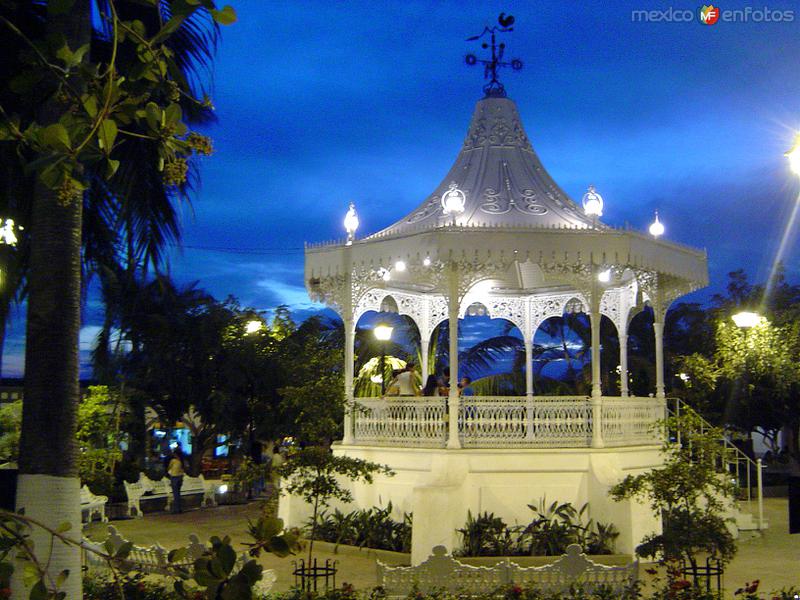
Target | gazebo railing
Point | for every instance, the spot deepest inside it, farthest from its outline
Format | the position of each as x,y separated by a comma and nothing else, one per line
541,422
401,421
629,421
508,421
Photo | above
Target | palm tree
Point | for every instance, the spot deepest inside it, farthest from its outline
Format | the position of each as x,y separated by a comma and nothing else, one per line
564,332
48,487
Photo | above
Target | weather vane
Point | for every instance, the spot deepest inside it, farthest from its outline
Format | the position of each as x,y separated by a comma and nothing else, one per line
494,88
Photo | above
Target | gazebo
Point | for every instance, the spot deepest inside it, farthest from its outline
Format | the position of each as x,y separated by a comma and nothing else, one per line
499,235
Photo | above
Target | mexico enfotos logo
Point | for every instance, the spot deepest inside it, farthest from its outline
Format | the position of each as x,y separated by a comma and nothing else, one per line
710,15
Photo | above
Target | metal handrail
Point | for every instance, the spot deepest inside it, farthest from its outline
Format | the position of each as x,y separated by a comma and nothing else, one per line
739,457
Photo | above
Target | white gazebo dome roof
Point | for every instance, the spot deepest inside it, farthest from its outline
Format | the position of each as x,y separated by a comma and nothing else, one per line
520,241
502,179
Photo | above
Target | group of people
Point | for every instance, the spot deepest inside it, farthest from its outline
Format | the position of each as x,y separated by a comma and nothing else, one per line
404,383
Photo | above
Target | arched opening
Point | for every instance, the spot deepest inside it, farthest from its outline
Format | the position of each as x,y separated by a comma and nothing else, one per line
562,354
642,353
492,354
609,357
402,347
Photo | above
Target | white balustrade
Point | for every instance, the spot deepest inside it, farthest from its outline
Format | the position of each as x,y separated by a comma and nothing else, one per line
401,421
506,421
629,421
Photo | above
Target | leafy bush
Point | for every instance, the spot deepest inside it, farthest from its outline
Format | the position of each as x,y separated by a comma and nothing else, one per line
101,586
249,474
488,535
10,423
368,528
517,592
553,528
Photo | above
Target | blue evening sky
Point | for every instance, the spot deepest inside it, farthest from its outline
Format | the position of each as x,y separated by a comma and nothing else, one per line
322,103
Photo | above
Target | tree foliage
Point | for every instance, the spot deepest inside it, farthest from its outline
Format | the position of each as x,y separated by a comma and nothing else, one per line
749,379
689,492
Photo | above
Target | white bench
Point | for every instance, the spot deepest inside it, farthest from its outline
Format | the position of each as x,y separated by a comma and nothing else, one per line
93,504
147,489
443,572
155,559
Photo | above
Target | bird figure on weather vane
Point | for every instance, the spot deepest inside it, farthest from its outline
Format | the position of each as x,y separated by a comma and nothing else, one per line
494,88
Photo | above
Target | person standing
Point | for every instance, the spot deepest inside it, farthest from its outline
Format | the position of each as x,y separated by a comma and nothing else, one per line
176,472
466,387
275,469
431,386
406,383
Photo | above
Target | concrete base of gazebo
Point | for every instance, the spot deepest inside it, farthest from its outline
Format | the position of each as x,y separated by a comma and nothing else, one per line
439,486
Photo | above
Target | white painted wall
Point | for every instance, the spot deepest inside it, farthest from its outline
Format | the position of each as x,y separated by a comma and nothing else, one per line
439,486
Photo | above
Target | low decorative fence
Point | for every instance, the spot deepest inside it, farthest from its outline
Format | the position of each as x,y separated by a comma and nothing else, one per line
443,572
154,560
509,421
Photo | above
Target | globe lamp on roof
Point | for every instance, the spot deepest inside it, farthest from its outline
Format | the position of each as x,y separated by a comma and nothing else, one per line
351,223
592,202
656,227
453,201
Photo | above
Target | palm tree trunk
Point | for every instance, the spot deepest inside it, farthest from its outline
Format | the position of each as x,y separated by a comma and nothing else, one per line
48,488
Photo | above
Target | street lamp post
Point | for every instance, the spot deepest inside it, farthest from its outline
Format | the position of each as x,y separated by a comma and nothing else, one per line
747,320
250,328
383,333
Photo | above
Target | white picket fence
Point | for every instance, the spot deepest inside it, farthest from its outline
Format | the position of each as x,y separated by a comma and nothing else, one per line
442,572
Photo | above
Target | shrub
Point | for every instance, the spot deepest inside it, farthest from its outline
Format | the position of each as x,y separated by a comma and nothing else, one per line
368,528
553,528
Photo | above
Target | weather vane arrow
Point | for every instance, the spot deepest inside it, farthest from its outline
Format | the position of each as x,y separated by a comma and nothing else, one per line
491,66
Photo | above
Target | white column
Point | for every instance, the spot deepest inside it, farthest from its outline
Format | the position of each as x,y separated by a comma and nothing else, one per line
594,319
597,391
623,364
658,328
349,346
349,360
528,367
452,315
424,348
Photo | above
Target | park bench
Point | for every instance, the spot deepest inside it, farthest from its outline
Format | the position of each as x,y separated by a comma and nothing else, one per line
150,489
442,572
93,504
154,560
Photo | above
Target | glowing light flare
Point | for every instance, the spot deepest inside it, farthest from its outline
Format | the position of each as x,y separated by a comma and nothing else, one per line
656,227
223,489
383,332
747,319
400,266
592,202
793,155
351,223
604,276
7,234
426,261
253,326
453,201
